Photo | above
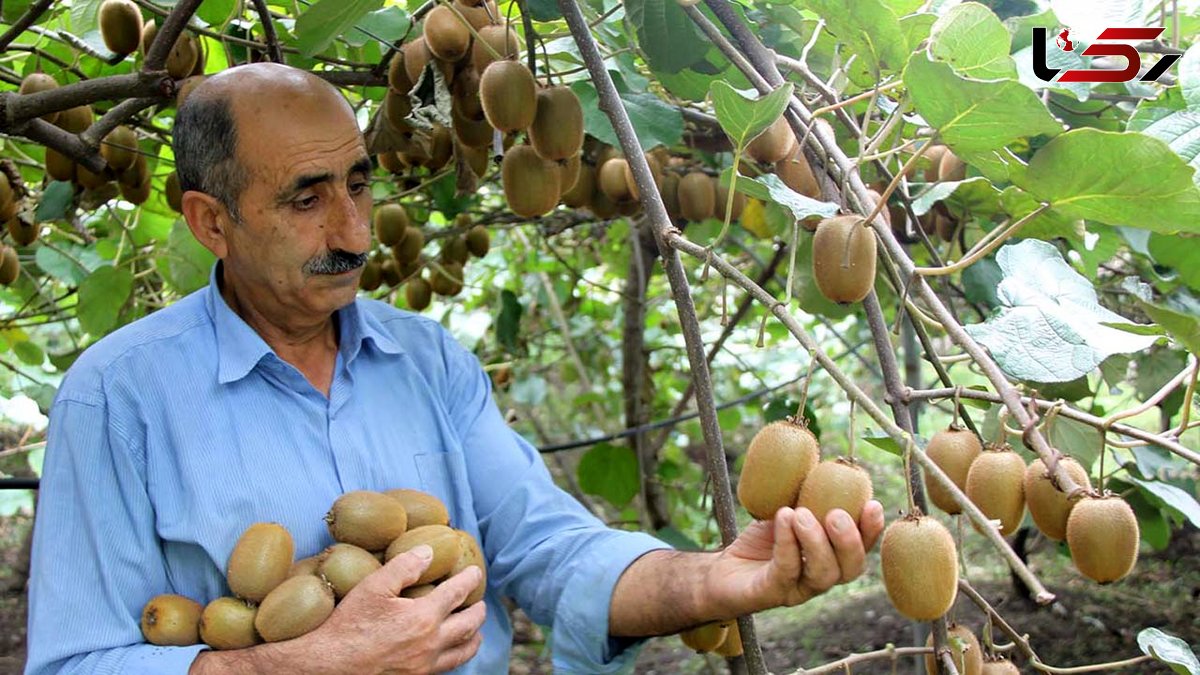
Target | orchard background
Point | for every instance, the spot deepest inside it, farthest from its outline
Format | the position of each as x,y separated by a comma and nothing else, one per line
642,350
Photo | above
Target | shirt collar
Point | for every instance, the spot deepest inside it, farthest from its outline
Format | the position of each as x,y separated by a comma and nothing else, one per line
240,347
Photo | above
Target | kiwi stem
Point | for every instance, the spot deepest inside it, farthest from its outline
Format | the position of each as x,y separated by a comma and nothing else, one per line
855,99
984,247
812,366
791,275
1187,397
733,176
842,664
851,435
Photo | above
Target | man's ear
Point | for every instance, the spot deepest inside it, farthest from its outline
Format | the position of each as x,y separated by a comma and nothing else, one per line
206,218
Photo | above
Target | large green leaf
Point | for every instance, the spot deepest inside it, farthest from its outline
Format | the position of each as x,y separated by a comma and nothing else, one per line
388,24
611,472
743,117
1189,76
187,263
1184,259
972,39
1152,189
1050,324
1170,650
1182,325
1055,58
508,323
769,188
975,115
869,27
216,12
668,37
1171,498
317,27
101,297
67,262
655,122
84,15
56,198
1049,225
1181,132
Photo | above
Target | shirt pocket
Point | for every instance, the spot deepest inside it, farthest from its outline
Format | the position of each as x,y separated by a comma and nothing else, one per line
444,475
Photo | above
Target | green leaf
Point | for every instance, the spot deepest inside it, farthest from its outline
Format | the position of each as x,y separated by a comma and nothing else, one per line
869,27
1170,650
666,34
769,188
29,353
1173,499
1185,260
729,418
1181,132
508,324
1076,439
1184,328
743,117
611,472
981,280
101,297
937,192
1049,225
885,442
1153,525
388,24
1049,327
975,115
216,12
67,262
56,198
544,10
1152,190
84,15
187,263
1055,58
655,122
677,539
972,39
1189,76
323,21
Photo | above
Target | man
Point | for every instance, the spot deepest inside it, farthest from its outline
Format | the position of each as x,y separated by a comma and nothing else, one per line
272,391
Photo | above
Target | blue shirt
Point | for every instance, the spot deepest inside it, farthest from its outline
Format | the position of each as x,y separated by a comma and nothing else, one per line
173,434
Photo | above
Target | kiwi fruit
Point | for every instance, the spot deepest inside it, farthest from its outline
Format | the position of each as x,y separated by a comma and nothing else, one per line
446,544
951,168
579,195
389,272
446,35
778,459
655,173
669,189
966,652
344,565
952,450
367,519
228,623
411,244
174,192
119,148
775,142
413,592
371,277
59,166
297,606
136,194
416,57
471,555
1000,666
739,203
502,39
309,565
705,637
920,567
88,179
183,56
944,224
391,224
796,173
395,110
934,157
1048,505
508,93
836,484
611,180
478,241
530,182
447,281
441,147
171,620
418,293
422,508
464,95
601,206
260,560
473,133
568,172
732,646
697,196
76,120
843,258
397,74
454,249
996,484
1103,535
7,197
557,128
23,233
38,82
477,159
10,265
121,26
137,173
479,14
149,31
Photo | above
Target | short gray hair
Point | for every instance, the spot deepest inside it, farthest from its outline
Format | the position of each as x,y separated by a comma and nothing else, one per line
205,146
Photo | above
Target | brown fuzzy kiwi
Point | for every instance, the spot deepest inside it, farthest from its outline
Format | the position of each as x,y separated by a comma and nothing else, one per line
171,620
371,276
390,163
920,567
1000,666
410,246
8,198
367,519
778,459
297,606
441,147
669,189
39,82
472,555
951,168
796,173
454,249
447,281
996,484
775,142
121,26
579,195
502,39
344,565
732,646
944,224
149,31
137,173
119,148
135,194
530,182
836,484
611,180
844,274
391,224
477,15
10,265
182,58
934,158
568,172
418,294
422,507
446,544
447,37
477,159
952,450
464,95
309,565
697,196
89,179
967,654
23,233
1048,505
471,133
416,57
76,120
508,93
706,637
478,241
601,206
228,623
884,212
260,560
395,111
739,203
389,272
655,172
59,166
557,128
174,192
397,74
1103,535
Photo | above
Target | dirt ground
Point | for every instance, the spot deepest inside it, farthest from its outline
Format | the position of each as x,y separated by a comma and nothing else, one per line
1096,624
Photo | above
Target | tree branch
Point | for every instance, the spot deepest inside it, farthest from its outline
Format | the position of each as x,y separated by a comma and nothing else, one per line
273,51
116,116
843,665
164,39
27,19
64,142
19,108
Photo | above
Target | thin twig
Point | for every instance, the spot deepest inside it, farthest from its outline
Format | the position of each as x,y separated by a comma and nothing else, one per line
27,19
164,40
274,53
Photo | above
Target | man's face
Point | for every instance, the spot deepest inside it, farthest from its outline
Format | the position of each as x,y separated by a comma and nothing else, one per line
305,207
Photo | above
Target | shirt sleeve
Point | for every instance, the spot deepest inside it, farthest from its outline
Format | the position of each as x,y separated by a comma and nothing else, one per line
96,559
545,550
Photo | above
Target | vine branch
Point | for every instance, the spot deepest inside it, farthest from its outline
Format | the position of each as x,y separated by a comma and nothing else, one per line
274,53
164,39
27,19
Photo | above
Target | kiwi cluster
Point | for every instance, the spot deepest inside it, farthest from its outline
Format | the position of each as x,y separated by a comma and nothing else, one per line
20,229
275,597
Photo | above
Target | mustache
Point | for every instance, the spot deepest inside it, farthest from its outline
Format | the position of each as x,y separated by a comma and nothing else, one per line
335,261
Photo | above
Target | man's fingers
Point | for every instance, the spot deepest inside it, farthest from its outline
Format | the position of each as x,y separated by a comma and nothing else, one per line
450,594
399,572
453,658
870,524
847,544
462,626
786,553
820,567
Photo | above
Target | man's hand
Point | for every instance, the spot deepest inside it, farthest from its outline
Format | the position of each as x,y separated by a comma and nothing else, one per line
373,630
791,559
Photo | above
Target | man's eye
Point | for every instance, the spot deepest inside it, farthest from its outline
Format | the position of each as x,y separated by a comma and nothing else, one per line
306,203
358,187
